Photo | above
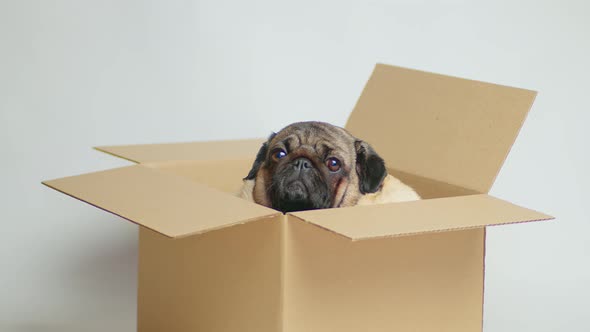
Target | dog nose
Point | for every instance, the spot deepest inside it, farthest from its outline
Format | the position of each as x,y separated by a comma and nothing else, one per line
302,164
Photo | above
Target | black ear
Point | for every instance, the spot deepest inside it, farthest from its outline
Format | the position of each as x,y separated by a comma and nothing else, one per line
260,157
369,167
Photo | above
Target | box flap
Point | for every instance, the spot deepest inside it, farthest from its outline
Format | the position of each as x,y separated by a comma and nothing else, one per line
425,216
212,150
163,202
450,129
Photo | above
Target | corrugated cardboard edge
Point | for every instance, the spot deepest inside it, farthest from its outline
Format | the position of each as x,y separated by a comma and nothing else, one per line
103,149
451,229
46,183
199,150
520,125
271,213
379,64
429,215
237,223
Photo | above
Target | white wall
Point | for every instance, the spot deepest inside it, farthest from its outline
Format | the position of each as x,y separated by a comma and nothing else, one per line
76,74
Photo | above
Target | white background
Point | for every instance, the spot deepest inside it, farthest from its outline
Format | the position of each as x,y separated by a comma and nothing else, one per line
76,74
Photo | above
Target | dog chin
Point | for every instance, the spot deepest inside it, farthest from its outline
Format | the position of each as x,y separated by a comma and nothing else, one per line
295,205
295,196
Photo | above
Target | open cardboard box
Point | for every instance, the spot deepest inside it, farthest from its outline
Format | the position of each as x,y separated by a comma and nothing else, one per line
209,261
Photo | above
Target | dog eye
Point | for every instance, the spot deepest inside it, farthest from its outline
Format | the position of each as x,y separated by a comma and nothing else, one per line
333,164
279,154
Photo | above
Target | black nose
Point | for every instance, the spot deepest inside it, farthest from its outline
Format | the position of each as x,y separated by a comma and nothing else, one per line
302,164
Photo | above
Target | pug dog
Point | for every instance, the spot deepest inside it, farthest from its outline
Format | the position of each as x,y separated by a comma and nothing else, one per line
315,165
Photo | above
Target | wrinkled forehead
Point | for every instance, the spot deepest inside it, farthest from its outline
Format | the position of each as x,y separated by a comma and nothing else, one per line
323,138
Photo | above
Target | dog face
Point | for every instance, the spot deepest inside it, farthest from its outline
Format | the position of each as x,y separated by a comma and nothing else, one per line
314,165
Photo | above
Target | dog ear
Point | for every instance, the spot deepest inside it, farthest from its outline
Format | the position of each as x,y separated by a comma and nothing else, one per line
369,167
260,157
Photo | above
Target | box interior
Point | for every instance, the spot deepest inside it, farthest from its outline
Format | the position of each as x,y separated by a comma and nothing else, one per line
226,176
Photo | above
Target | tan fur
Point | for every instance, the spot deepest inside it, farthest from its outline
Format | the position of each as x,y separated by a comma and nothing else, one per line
259,188
393,190
247,190
315,141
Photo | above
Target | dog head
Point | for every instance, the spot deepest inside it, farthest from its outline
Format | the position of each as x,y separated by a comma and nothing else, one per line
314,165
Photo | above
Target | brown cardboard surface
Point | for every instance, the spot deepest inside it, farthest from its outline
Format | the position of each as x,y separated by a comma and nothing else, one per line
410,218
431,282
224,281
160,201
224,175
449,129
429,188
212,150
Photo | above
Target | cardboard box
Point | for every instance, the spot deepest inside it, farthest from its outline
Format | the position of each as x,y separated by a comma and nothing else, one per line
209,261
